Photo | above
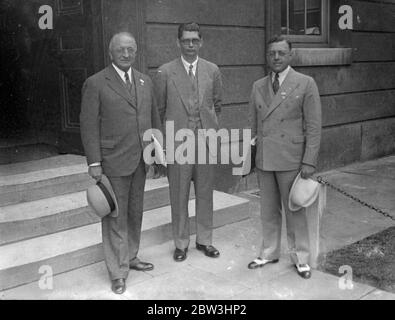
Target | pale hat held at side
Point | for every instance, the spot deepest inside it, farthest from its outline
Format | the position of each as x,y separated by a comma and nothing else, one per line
303,193
101,198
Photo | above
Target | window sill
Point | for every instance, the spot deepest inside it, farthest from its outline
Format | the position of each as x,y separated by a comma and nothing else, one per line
321,57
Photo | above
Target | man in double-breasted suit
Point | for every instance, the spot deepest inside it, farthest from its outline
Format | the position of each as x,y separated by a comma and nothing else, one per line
118,106
285,115
189,91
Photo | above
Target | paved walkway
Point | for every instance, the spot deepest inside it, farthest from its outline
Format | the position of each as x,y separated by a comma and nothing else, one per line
227,277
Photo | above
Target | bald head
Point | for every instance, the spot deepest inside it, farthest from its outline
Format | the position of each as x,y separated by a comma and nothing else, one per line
118,35
122,50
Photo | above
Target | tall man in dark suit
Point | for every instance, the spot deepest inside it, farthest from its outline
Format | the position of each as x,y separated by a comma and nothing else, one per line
189,91
285,115
118,106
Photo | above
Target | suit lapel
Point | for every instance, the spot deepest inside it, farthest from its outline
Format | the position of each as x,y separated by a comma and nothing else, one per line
203,77
116,84
139,84
287,87
182,82
265,93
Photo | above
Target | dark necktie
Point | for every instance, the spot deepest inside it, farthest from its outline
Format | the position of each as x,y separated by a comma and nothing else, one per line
128,83
276,83
131,88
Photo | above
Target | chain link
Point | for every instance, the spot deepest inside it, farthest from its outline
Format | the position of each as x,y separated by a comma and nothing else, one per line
345,193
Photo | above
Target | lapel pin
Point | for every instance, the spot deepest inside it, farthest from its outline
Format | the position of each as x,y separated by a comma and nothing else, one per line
142,82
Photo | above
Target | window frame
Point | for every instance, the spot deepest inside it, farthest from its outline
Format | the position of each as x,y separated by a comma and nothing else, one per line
321,40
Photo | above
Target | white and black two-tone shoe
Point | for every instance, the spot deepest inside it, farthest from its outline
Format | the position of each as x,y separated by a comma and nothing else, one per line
303,270
259,263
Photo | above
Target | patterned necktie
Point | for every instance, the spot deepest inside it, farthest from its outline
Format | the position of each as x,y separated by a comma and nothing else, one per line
192,76
190,73
128,83
276,83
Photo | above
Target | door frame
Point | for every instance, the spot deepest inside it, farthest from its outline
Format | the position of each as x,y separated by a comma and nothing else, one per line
107,17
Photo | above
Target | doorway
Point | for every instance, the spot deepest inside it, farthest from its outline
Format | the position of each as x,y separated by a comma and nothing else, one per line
42,71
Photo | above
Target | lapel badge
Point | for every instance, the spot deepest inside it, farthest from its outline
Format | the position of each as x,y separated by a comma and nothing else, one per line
283,94
142,82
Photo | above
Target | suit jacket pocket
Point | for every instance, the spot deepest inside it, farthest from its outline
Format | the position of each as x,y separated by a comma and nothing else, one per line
107,144
298,139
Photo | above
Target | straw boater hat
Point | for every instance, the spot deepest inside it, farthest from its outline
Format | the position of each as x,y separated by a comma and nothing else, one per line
303,193
101,198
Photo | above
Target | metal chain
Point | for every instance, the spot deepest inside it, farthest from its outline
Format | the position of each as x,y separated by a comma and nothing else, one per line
345,193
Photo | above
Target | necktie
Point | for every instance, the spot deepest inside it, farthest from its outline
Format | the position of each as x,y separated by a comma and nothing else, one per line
128,83
131,88
192,76
190,73
276,83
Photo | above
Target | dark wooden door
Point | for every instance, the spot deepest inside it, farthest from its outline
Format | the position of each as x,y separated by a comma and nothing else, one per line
80,54
43,70
84,28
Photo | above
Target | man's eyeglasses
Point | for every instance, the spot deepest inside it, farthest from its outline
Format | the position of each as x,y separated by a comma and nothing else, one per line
282,54
186,42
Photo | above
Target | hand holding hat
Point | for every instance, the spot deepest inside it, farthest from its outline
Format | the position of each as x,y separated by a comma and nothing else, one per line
95,172
306,171
303,193
101,198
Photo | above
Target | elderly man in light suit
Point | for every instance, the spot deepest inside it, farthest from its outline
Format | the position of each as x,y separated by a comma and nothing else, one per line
189,91
285,115
118,106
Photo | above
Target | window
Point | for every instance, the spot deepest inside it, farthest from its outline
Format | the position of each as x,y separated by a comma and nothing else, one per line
305,21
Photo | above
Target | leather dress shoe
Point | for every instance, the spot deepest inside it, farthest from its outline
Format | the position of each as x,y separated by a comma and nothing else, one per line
259,263
142,266
180,255
118,286
303,270
209,250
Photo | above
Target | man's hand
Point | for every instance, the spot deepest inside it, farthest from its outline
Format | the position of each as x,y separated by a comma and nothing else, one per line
95,172
306,171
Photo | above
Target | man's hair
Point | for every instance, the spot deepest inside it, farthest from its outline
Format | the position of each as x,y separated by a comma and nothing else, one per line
122,33
190,26
278,38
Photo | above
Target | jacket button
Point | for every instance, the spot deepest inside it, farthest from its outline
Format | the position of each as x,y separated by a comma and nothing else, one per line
282,136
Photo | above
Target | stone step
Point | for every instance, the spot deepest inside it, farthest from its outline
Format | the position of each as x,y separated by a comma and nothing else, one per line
39,179
41,164
49,215
15,151
67,250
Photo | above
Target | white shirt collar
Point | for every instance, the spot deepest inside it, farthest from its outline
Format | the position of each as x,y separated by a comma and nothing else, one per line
281,75
122,73
186,65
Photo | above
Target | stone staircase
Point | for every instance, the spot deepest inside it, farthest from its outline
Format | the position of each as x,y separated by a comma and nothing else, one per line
45,219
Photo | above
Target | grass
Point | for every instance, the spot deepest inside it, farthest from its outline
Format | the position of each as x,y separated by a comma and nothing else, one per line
372,260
